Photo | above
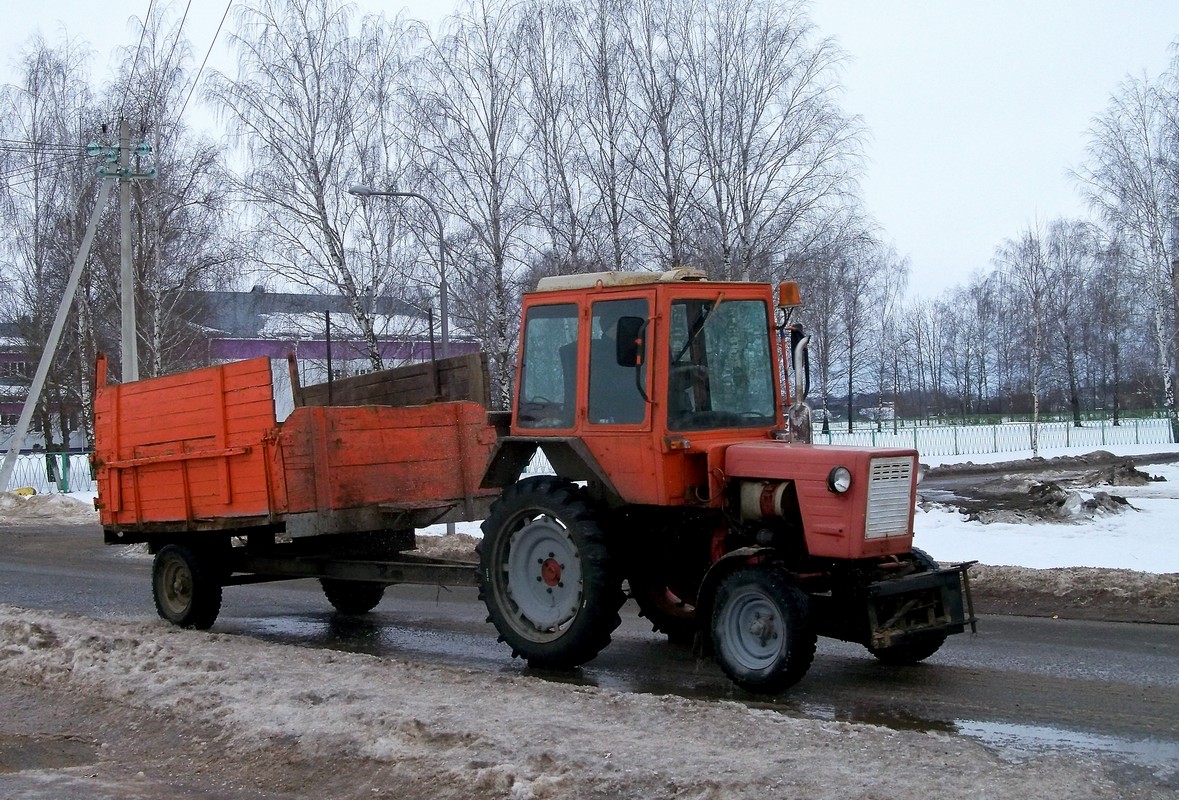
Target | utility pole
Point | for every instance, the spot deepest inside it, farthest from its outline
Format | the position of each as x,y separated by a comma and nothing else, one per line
119,156
127,274
67,299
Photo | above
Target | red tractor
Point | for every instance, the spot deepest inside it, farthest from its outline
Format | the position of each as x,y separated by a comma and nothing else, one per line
684,471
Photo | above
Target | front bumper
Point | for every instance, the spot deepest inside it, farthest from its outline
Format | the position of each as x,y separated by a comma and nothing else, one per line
902,608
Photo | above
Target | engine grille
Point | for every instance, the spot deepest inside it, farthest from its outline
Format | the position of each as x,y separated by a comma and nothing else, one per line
889,481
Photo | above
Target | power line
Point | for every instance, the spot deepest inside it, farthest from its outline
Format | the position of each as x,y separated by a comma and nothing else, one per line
196,79
135,62
30,146
172,52
23,178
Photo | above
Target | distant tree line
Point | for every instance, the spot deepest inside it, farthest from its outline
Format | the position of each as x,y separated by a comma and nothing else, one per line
560,137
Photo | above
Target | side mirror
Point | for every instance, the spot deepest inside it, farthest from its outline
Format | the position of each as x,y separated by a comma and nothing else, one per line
631,342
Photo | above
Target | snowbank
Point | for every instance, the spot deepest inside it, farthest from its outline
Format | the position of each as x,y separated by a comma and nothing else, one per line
460,733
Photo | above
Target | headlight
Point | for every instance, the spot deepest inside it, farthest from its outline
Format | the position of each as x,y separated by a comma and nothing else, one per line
839,480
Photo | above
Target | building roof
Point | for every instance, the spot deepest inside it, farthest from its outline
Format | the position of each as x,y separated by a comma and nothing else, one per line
258,313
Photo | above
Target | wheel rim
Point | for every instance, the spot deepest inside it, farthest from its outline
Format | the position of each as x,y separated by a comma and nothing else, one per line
542,576
754,630
176,586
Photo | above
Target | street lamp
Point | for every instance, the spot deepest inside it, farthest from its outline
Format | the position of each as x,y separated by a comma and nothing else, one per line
360,190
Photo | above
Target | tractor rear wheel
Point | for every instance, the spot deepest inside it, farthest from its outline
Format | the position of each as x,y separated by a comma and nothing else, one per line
546,574
921,646
761,630
668,613
185,586
352,597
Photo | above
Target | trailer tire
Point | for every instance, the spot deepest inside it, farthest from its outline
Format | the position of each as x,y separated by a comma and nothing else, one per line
547,576
352,597
919,647
761,630
186,587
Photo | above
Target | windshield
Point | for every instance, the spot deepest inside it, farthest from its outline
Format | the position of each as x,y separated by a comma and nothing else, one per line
721,371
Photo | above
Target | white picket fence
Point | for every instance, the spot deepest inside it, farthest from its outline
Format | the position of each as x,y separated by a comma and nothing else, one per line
71,472
1008,437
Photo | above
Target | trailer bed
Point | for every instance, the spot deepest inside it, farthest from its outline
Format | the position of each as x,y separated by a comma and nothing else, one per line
201,451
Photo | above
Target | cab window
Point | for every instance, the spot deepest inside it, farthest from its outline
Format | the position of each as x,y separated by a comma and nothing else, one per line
617,389
548,369
721,372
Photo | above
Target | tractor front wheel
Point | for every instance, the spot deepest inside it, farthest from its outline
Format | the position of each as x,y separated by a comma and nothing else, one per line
761,630
546,574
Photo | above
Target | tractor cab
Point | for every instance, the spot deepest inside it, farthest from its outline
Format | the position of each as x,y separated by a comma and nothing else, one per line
626,379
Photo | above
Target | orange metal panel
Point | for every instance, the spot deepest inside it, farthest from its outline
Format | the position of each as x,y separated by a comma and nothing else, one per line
186,446
834,523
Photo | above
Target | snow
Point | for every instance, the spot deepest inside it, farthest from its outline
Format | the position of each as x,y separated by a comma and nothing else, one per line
1145,538
466,733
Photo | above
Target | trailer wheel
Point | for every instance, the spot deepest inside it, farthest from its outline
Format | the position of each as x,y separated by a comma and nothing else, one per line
352,597
546,574
761,630
185,586
916,648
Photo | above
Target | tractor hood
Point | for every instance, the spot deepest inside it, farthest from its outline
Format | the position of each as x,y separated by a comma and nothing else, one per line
873,516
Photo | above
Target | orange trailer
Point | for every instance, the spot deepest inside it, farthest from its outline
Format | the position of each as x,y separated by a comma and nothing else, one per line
185,459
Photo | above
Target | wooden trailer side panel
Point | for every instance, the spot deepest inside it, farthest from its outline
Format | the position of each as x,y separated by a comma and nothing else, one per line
341,457
184,448
462,377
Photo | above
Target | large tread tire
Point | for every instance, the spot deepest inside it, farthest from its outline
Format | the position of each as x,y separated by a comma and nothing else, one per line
547,576
352,597
918,648
761,629
186,586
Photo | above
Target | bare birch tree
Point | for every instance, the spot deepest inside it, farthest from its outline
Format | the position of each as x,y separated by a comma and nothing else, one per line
45,204
180,219
774,147
1126,180
465,107
560,193
297,100
1026,262
665,179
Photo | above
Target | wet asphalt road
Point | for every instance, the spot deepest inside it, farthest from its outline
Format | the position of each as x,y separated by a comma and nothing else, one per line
1019,685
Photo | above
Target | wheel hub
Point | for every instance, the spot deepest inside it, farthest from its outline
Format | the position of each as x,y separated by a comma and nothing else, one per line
550,571
543,575
763,629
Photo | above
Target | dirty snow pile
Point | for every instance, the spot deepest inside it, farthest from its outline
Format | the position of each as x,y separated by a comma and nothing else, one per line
458,733
1145,537
70,509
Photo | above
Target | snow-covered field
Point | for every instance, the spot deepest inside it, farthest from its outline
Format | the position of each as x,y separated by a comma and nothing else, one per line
362,726
1145,538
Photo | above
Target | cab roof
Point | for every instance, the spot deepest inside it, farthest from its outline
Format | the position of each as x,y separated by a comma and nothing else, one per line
602,280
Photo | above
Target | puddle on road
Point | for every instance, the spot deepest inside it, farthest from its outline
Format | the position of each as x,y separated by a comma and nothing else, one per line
19,753
1018,743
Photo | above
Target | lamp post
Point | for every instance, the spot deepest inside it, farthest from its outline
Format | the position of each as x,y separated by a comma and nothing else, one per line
360,190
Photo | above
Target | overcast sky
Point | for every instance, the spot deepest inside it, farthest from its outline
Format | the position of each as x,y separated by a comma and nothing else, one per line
976,110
